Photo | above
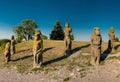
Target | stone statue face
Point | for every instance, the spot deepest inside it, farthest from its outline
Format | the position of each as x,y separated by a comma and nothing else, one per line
12,38
112,30
97,31
8,43
37,36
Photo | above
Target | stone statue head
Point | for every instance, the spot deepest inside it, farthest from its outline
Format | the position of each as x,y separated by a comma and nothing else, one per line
37,36
12,37
8,43
67,24
96,31
111,30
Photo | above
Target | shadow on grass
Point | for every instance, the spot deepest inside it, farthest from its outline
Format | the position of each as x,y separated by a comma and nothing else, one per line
22,58
106,52
47,49
28,56
21,51
54,60
79,48
117,46
65,56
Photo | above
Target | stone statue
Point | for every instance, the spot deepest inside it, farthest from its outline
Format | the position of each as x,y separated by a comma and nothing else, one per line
12,45
96,41
67,39
37,50
111,35
7,52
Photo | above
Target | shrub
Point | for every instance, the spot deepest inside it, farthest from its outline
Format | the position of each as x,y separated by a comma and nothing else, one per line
3,42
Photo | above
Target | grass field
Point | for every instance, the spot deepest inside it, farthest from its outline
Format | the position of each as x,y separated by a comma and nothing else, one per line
53,56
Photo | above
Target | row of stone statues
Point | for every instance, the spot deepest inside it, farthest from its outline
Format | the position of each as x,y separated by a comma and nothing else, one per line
96,41
9,49
38,46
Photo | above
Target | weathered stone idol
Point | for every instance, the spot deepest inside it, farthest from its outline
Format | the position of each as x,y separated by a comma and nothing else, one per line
7,52
12,45
96,41
111,35
67,39
37,50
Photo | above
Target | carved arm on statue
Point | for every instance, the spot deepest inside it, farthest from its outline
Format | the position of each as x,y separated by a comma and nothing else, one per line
91,42
40,50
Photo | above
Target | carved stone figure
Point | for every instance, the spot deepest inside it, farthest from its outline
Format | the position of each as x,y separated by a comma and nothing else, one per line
67,39
37,50
111,35
12,45
96,41
7,52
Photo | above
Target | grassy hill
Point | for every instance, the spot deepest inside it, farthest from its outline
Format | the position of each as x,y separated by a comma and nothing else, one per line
53,56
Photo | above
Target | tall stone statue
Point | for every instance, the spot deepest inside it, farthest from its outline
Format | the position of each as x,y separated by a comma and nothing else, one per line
7,52
67,39
37,50
12,45
111,35
96,41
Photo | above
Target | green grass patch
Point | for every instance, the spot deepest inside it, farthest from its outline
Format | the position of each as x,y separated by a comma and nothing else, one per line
83,74
115,57
38,69
88,63
66,79
102,62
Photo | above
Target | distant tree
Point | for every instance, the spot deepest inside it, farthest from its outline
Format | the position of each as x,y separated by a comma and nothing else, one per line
117,39
44,37
38,31
18,33
57,32
72,37
25,30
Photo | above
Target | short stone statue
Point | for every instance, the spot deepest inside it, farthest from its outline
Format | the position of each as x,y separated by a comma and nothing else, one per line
96,41
37,50
67,39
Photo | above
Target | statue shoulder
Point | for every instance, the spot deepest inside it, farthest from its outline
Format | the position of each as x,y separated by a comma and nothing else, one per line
65,29
70,29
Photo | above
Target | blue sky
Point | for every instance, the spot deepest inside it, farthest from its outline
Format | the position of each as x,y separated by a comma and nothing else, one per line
82,15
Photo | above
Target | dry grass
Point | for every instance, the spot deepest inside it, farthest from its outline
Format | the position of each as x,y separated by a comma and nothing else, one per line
53,56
